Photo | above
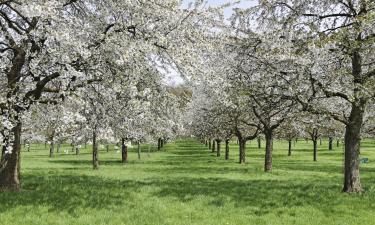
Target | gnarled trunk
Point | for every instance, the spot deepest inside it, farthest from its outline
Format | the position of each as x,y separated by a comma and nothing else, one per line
352,181
10,163
269,148
227,149
242,149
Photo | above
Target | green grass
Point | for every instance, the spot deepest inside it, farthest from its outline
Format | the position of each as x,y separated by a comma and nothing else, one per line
187,184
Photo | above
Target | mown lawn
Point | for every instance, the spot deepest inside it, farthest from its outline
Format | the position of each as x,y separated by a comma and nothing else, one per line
187,184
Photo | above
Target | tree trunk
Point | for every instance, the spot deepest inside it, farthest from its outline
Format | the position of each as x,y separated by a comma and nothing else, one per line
205,142
107,147
227,149
58,147
290,148
159,144
95,160
10,163
139,150
269,148
242,153
352,183
330,140
259,142
51,149
218,142
213,146
124,151
315,143
77,150
338,143
209,143
320,141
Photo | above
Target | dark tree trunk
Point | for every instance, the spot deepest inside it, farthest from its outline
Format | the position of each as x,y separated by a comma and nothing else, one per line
218,143
58,147
77,150
45,144
139,150
259,142
290,147
242,151
95,159
162,143
209,143
320,141
52,149
10,164
213,146
205,142
124,151
330,140
107,147
159,144
338,143
352,183
269,148
315,143
227,149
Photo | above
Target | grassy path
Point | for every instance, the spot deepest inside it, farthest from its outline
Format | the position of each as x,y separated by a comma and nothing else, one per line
186,184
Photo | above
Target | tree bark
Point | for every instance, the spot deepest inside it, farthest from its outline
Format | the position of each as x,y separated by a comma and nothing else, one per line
290,148
218,143
124,151
259,142
159,144
213,146
315,144
139,150
77,150
352,183
242,149
338,143
227,149
269,148
52,149
10,163
95,159
209,143
330,140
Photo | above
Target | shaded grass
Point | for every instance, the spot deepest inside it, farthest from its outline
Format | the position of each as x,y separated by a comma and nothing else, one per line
187,184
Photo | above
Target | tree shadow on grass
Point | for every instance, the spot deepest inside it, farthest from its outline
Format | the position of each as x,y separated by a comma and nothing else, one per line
71,192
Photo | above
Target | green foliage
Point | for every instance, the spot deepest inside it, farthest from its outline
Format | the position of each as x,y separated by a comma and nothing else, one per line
187,184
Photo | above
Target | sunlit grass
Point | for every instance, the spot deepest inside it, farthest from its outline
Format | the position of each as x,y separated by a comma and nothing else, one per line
187,184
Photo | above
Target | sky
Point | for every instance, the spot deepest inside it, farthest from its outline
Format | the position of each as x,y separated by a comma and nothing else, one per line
173,77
